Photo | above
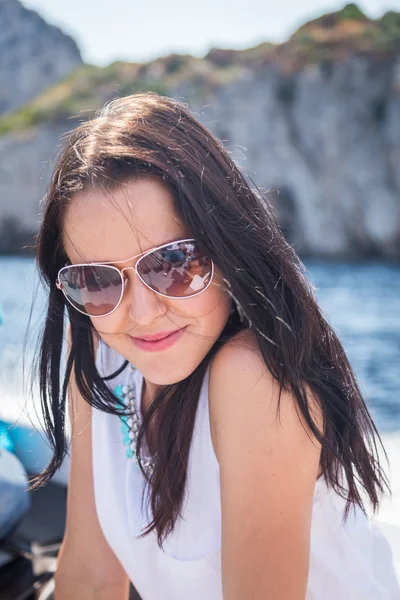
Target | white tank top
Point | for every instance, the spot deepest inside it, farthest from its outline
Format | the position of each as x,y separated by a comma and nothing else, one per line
353,561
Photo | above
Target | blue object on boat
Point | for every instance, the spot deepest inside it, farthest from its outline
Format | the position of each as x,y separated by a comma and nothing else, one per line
5,438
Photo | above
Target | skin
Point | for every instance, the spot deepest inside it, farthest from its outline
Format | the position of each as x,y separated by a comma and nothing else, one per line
266,520
268,469
139,216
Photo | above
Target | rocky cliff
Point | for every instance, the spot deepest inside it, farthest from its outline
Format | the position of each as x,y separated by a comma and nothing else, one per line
315,120
33,55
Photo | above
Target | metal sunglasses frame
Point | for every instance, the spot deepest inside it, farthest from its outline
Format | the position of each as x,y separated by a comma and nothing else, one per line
140,256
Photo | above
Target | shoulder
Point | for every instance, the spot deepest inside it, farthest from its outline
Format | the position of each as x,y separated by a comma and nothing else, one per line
241,359
236,370
268,466
244,397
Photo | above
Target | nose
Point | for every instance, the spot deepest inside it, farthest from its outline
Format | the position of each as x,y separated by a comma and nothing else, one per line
143,305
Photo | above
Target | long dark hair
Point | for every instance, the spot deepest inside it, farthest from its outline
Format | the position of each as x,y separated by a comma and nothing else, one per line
146,134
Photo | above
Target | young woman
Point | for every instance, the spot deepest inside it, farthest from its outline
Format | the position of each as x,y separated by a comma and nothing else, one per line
220,444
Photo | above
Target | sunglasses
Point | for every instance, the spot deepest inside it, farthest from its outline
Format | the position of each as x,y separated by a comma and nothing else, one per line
174,270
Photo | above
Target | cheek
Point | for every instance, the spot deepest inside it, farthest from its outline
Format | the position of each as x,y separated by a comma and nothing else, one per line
213,303
110,325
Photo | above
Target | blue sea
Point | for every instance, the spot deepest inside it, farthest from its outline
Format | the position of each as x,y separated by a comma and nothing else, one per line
361,301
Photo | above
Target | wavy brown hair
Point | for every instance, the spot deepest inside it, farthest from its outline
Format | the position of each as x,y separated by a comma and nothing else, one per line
149,135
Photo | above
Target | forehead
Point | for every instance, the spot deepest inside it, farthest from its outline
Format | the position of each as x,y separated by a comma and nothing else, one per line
113,226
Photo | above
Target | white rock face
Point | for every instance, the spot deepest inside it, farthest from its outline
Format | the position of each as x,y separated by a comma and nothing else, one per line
329,141
33,55
25,169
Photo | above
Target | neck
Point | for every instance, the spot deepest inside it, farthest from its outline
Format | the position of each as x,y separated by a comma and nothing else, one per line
149,392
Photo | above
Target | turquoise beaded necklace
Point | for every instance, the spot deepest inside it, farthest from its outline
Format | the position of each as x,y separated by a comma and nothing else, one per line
130,424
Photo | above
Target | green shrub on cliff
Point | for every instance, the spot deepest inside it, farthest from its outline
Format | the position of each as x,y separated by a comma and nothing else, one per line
86,90
25,117
351,12
386,35
339,34
390,25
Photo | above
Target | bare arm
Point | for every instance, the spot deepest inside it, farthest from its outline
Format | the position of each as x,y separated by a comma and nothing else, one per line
87,567
268,470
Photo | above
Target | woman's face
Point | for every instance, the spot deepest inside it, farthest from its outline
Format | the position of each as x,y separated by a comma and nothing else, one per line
100,227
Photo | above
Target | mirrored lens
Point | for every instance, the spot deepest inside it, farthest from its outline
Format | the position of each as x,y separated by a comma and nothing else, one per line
94,290
178,269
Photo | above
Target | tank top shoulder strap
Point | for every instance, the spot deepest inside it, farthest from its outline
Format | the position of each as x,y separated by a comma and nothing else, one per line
108,363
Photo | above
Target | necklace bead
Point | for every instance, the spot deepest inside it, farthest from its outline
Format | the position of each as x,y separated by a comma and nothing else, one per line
126,395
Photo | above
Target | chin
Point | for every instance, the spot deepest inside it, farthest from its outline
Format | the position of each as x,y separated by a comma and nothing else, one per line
168,372
167,377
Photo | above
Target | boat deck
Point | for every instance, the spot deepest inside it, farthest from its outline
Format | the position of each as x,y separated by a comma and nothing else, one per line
43,523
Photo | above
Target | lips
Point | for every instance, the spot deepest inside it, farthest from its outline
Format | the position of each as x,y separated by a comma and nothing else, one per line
156,337
159,341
